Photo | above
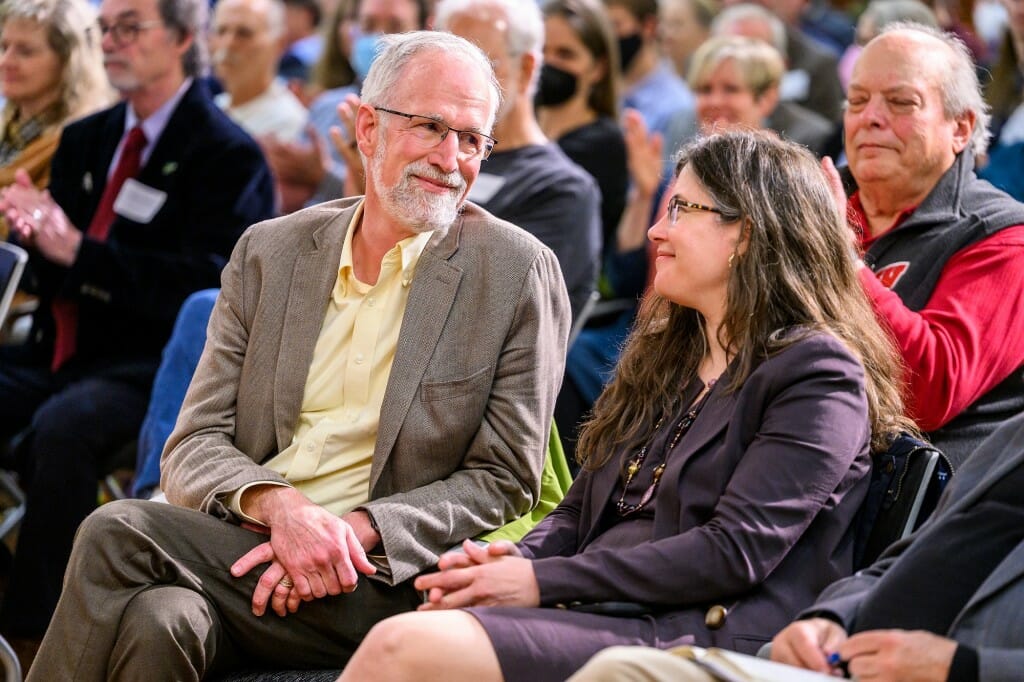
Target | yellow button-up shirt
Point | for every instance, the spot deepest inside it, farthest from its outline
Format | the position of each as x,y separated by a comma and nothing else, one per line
332,448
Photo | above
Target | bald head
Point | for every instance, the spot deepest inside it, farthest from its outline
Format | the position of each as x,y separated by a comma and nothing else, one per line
246,45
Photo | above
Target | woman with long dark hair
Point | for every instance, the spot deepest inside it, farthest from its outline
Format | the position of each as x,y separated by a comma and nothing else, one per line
724,464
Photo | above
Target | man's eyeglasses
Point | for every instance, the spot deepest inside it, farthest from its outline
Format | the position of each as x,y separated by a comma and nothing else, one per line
431,132
126,32
675,205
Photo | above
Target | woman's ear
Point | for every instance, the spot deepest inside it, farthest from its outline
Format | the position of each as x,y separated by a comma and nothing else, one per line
743,241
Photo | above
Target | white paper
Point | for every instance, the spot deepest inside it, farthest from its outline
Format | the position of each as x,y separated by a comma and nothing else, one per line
485,187
138,202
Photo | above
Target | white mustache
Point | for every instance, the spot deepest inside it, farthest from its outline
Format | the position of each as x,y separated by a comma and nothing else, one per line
425,170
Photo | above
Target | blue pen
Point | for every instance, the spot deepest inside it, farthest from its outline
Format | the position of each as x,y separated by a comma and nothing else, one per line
835,661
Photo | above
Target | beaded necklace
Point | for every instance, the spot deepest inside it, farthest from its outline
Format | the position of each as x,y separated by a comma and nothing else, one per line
626,509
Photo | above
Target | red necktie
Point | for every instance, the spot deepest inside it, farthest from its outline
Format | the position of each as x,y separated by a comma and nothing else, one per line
65,312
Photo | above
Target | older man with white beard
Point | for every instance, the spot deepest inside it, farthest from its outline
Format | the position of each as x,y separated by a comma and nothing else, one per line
377,384
246,44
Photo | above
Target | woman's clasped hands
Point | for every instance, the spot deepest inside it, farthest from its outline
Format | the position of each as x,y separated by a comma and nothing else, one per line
493,575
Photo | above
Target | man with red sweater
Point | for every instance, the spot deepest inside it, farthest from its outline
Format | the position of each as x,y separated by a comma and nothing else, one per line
944,250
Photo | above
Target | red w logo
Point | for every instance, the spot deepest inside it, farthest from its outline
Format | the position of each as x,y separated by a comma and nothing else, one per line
890,274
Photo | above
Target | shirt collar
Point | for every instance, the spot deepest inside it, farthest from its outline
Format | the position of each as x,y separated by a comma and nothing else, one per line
410,249
153,126
858,219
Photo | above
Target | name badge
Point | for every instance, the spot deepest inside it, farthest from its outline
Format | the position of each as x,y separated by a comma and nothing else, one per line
485,187
138,202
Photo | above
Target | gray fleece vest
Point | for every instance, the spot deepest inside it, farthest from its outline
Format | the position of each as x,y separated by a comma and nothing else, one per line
961,210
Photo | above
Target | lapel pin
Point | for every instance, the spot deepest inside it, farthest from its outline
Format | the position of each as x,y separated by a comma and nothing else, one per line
87,182
170,167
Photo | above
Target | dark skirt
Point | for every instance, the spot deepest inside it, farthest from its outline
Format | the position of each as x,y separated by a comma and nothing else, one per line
549,644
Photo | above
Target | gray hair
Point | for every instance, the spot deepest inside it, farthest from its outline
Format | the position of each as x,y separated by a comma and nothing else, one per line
750,11
71,32
525,34
958,84
396,50
188,18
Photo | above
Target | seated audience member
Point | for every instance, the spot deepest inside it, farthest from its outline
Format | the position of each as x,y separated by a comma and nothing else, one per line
52,73
577,99
683,26
303,43
650,84
338,411
245,47
145,203
724,465
942,248
528,180
942,605
789,118
876,16
311,171
812,80
178,363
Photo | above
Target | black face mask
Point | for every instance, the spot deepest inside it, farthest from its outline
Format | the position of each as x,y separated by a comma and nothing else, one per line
629,47
555,86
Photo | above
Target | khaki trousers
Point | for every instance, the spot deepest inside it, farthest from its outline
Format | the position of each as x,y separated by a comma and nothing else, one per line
148,596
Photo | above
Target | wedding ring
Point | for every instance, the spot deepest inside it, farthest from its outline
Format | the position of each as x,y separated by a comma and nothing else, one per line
287,582
37,214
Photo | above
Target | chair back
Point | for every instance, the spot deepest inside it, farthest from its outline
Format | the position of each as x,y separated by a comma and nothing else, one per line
12,263
906,482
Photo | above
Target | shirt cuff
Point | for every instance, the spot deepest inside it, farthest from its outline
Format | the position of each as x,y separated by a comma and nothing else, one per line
964,667
235,501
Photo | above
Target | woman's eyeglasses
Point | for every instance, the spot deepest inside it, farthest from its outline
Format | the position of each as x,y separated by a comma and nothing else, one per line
675,205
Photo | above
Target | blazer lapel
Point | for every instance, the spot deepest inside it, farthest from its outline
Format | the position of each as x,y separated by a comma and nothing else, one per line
94,180
173,141
314,275
713,418
431,298
711,421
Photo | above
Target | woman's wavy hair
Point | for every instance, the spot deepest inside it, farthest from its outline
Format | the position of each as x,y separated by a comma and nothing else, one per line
589,20
797,273
333,68
71,32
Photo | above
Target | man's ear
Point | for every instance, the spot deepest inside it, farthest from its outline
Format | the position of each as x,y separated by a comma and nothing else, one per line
963,130
367,129
528,65
185,39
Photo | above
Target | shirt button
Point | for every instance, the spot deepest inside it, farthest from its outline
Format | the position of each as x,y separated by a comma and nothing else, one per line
359,358
371,301
310,447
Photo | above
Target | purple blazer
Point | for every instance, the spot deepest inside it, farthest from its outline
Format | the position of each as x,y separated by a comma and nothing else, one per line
754,511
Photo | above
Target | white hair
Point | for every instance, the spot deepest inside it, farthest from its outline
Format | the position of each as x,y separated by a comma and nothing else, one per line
750,11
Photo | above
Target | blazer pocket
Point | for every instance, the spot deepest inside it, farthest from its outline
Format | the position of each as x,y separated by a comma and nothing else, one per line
431,391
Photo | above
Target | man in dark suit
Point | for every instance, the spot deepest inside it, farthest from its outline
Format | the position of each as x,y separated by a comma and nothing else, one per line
146,201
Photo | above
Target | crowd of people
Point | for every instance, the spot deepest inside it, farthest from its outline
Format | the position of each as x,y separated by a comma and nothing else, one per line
344,277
